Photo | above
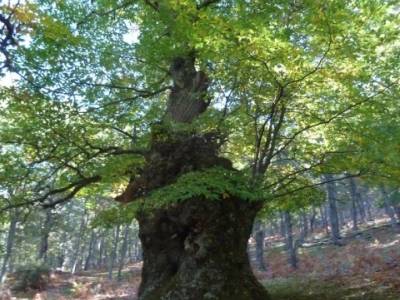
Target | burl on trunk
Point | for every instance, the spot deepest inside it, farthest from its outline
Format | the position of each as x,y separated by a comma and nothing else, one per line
194,249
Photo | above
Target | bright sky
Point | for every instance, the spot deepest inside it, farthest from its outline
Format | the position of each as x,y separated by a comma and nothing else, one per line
8,79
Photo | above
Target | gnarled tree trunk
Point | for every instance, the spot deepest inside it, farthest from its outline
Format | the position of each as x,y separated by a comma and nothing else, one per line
194,249
197,250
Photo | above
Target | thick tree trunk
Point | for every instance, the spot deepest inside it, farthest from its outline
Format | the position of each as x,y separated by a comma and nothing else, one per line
197,250
194,249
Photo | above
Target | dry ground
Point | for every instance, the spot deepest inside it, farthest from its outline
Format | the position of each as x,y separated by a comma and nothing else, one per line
366,267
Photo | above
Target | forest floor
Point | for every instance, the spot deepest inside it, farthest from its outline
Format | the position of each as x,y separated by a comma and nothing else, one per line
366,267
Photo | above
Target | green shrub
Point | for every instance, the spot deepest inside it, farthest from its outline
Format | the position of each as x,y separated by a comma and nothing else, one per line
31,277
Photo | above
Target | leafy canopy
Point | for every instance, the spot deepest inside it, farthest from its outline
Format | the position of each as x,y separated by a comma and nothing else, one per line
299,88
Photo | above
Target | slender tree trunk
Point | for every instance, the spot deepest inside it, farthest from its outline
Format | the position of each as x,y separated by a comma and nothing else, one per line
138,251
324,218
77,246
341,216
259,234
89,257
290,245
312,219
353,194
361,207
388,208
101,252
124,249
44,241
282,225
333,212
61,251
275,227
10,243
303,227
397,211
113,254
131,245
354,214
369,210
368,204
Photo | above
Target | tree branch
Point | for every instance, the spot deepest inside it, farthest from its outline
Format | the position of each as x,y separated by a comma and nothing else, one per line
308,186
206,3
75,186
8,40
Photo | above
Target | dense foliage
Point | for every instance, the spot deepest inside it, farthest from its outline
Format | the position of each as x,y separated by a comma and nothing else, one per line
301,93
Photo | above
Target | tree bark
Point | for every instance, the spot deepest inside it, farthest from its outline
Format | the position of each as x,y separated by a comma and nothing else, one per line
124,249
333,212
353,193
303,227
77,246
113,254
388,209
361,206
282,227
324,218
397,211
44,241
259,235
341,216
10,243
89,257
290,245
368,205
193,249
312,219
197,250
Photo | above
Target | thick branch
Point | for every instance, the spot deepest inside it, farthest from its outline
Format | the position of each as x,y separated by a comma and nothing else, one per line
7,40
75,186
188,95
